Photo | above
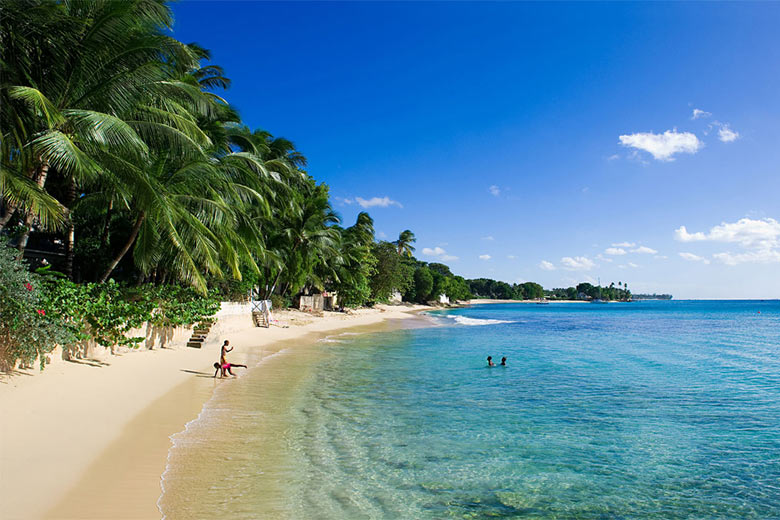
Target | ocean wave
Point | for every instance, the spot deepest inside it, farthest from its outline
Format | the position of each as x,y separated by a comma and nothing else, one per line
463,320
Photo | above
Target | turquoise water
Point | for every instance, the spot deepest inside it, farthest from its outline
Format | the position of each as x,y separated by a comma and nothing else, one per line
642,410
646,410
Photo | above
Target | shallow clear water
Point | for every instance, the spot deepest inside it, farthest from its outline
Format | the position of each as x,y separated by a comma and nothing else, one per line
643,410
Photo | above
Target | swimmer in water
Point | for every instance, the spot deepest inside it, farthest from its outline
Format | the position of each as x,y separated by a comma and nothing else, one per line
490,361
503,361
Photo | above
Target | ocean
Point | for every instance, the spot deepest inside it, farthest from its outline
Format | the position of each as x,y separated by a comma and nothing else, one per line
642,410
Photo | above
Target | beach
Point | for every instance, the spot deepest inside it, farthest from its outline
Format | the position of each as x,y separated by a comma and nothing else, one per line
90,438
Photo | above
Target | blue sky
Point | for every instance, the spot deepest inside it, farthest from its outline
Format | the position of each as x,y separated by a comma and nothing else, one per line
555,143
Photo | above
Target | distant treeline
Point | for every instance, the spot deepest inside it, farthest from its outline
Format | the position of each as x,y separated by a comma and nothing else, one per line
652,296
493,289
497,290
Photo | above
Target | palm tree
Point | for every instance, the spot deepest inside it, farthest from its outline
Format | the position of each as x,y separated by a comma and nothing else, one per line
87,84
303,240
404,243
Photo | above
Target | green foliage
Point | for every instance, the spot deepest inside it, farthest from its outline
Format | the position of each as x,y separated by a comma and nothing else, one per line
280,302
423,284
107,312
530,290
28,330
493,289
357,263
404,243
391,272
458,289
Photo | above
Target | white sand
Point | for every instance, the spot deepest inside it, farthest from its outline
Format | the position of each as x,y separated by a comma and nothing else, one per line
90,440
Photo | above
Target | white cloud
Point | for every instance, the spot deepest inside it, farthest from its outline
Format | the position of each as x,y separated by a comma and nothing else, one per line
488,238
682,235
760,239
547,266
694,258
644,250
615,251
381,234
578,263
624,244
749,233
603,258
700,113
663,146
344,201
763,256
511,257
613,157
382,202
661,257
632,264
439,253
726,134
494,190
485,257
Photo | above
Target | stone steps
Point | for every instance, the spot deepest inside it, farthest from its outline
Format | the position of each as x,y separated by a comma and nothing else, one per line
199,334
259,319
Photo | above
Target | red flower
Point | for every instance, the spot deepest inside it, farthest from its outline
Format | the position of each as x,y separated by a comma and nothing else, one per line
29,286
42,312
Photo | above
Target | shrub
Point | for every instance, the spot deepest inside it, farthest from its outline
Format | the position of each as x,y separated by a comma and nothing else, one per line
106,312
41,310
28,328
280,302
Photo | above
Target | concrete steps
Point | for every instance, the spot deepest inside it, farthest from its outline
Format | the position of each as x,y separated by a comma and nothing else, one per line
260,320
199,334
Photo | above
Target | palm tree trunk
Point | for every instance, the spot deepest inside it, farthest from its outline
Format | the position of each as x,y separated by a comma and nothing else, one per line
107,225
276,280
70,238
10,208
273,285
125,248
28,219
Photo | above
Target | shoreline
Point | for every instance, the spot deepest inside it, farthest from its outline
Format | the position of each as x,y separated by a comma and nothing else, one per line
91,440
488,301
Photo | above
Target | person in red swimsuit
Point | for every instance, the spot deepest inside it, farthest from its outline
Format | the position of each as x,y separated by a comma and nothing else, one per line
223,364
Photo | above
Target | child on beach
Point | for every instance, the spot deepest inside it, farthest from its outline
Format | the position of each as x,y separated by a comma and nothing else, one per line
223,364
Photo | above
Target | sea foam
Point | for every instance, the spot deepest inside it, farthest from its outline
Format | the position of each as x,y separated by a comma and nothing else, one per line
463,320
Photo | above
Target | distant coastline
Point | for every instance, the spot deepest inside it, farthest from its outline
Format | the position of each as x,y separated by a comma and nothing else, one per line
652,296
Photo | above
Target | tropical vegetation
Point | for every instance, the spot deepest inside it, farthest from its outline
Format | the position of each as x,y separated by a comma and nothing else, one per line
132,192
128,177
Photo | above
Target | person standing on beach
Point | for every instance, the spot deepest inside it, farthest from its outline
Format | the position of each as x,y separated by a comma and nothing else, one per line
222,357
223,366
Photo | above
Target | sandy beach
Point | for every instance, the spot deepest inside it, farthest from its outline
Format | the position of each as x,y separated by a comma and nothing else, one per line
89,439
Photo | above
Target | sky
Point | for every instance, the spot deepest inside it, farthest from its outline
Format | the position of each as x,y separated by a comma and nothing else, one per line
555,143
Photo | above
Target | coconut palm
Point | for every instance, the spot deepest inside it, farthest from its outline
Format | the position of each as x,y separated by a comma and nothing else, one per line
301,240
404,243
100,85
